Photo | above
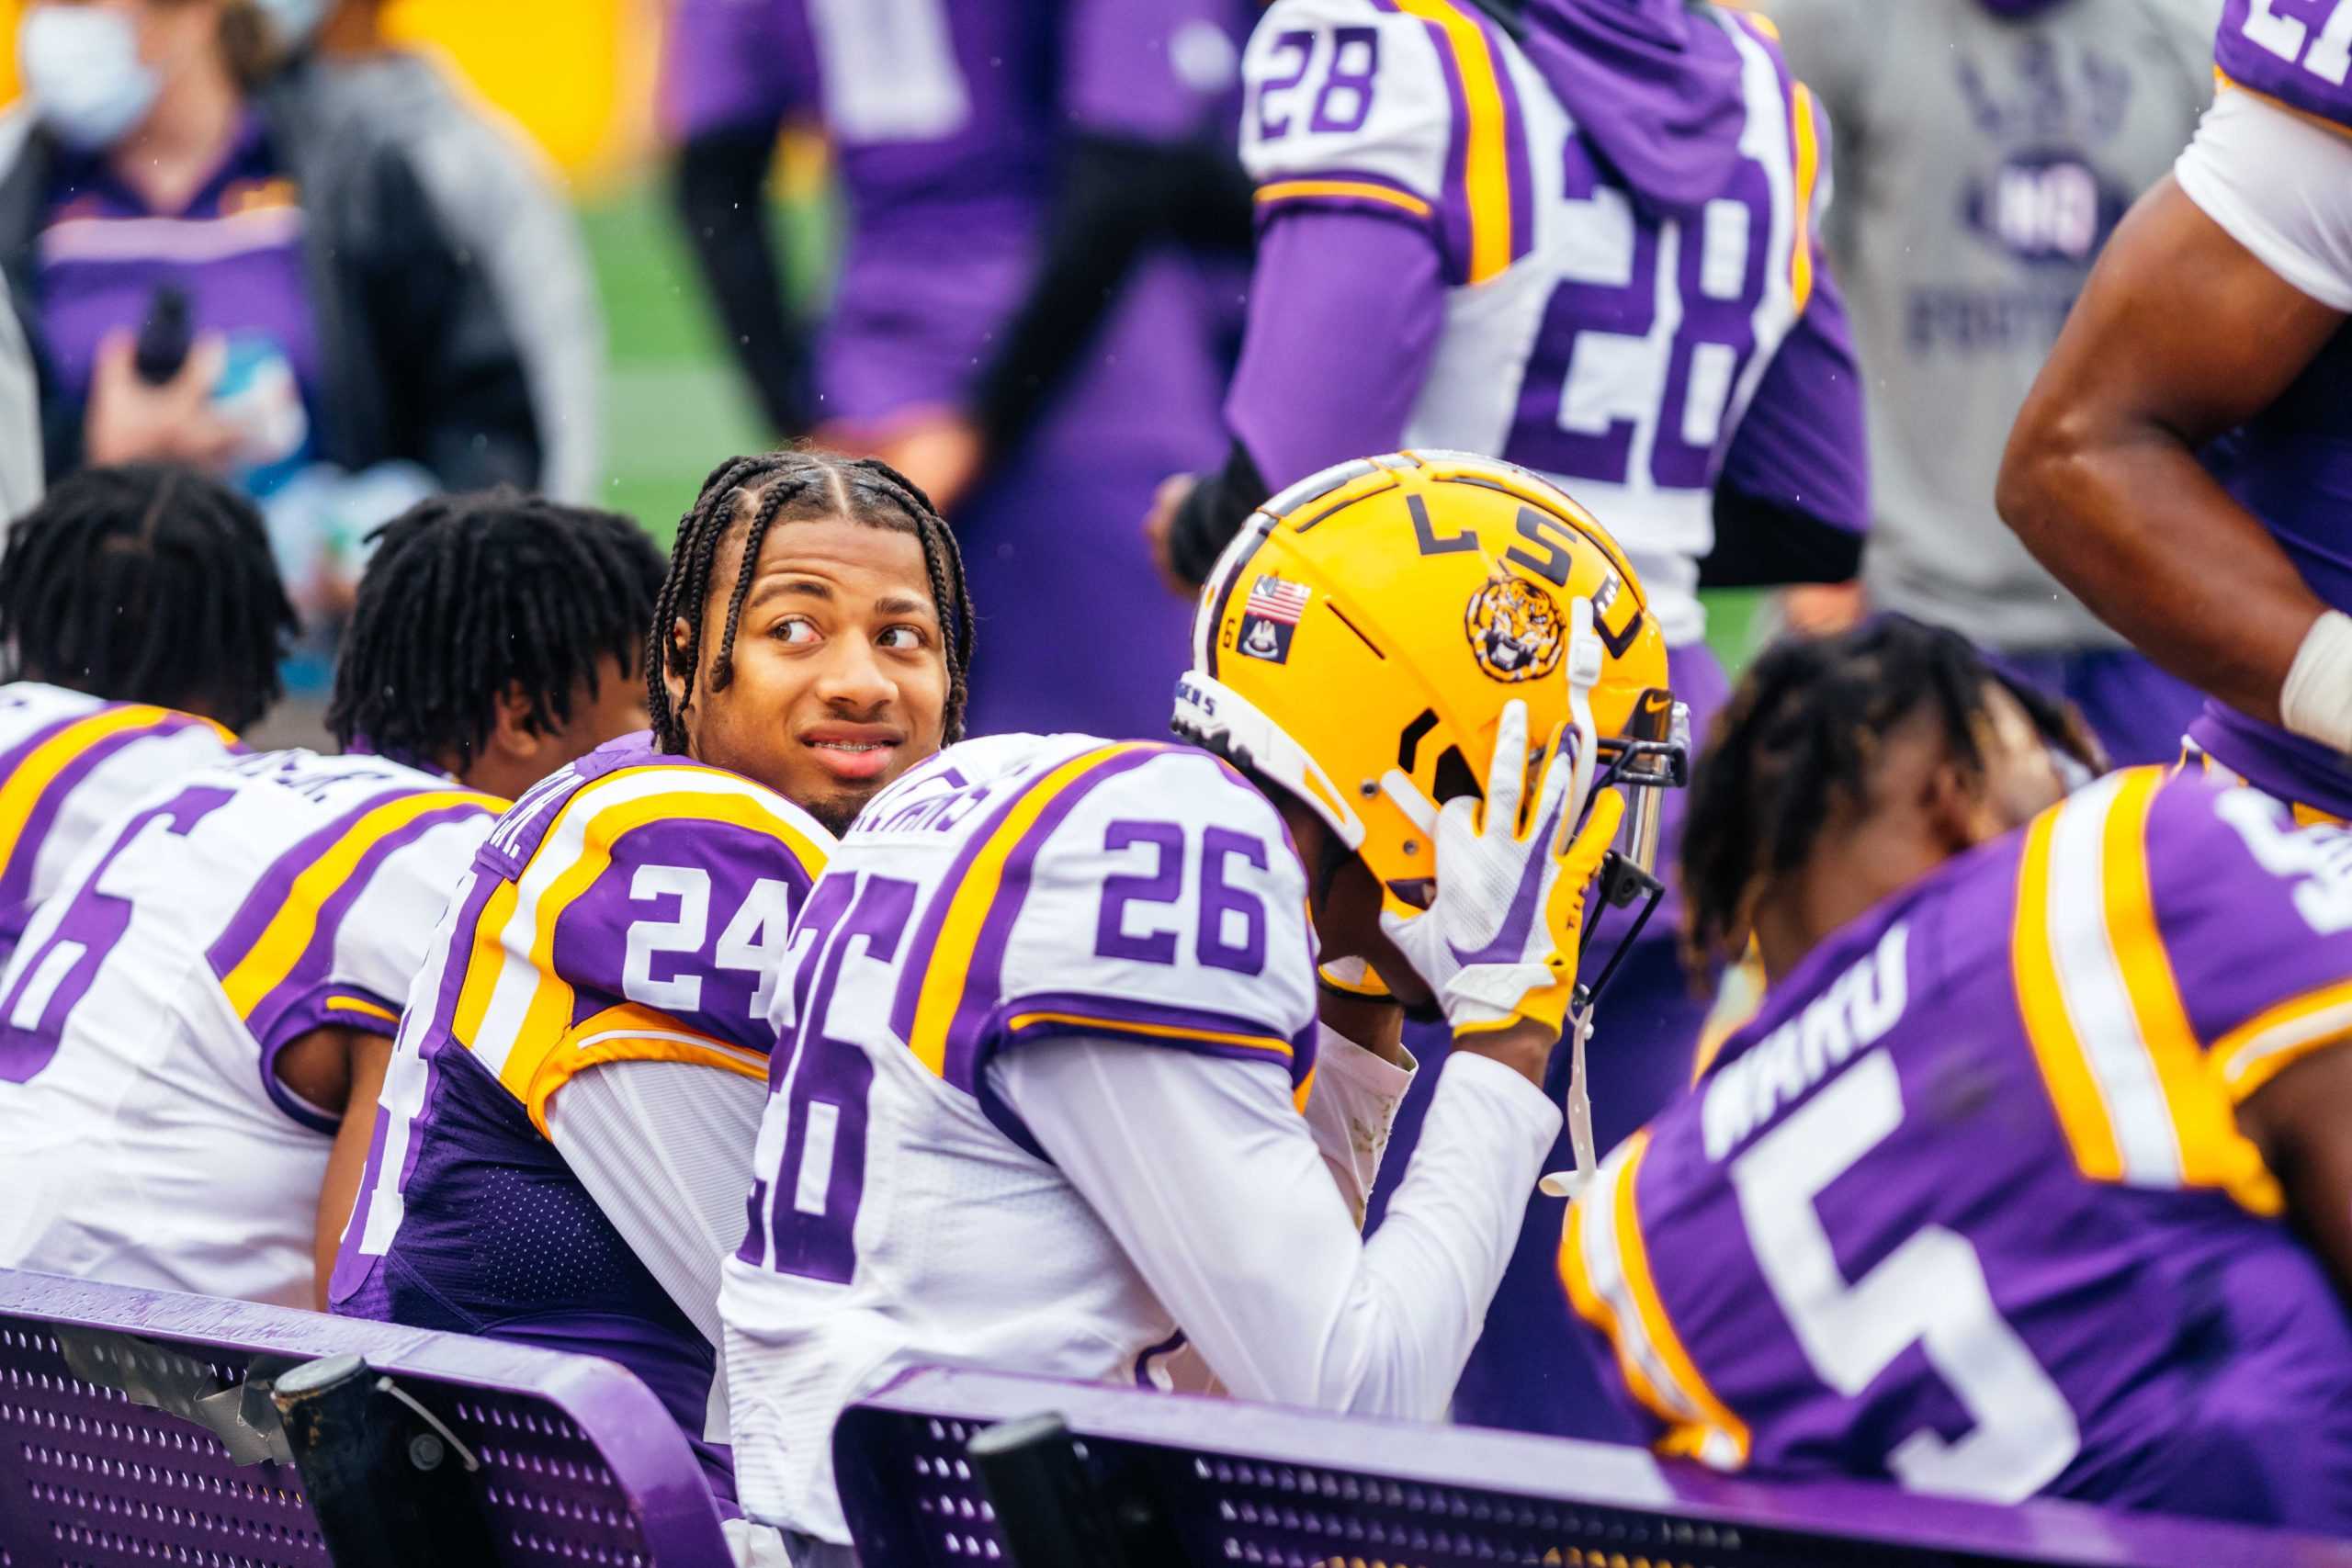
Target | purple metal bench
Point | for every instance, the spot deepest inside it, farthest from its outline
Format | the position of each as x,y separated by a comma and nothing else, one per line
1205,1482
136,1427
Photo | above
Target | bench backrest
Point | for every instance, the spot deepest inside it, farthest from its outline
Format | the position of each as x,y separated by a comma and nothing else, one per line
128,1433
1253,1484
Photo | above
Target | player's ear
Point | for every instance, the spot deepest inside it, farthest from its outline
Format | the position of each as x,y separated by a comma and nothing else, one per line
510,735
1957,805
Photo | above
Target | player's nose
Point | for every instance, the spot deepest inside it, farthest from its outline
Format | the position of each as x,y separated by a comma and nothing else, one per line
855,679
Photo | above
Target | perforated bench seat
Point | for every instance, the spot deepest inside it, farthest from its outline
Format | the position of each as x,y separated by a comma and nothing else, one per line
1251,1485
127,1434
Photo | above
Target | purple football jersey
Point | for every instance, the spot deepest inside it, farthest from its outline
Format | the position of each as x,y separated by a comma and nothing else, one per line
2291,464
235,248
946,116
632,906
2296,52
1966,1206
735,65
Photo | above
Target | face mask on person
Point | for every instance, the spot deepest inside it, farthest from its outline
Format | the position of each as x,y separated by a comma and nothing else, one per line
294,23
82,69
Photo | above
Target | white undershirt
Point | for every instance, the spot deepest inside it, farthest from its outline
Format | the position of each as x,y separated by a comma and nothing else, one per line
1216,1188
1169,1148
665,1150
2280,186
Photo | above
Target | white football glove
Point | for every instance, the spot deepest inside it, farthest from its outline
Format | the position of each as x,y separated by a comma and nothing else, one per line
1498,943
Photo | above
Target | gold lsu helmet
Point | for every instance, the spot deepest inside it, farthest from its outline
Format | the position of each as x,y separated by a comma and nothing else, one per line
1359,638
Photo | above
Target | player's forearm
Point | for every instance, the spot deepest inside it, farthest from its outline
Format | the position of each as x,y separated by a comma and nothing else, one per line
1428,1274
347,1161
1219,1197
2299,1120
1358,1087
2121,512
2181,334
721,195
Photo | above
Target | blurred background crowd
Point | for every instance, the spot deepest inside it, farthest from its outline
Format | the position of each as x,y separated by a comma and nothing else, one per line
349,251
346,253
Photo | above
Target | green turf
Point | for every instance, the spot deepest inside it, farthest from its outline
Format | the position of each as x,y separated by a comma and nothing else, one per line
675,406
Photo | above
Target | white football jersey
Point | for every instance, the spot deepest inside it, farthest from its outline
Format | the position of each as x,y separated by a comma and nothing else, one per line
68,762
1014,888
144,1135
1613,352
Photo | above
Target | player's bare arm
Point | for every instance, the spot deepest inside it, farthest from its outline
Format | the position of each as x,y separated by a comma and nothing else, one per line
344,1067
2302,1121
2182,335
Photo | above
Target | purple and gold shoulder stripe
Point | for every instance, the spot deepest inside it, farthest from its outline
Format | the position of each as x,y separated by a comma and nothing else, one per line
1604,1262
276,959
2103,1011
517,1010
43,770
953,1011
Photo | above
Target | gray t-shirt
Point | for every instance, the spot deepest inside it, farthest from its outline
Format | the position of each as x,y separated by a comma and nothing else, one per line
1982,161
20,457
502,200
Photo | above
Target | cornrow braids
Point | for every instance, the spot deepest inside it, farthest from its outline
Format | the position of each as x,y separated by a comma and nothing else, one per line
1802,735
470,596
798,484
147,583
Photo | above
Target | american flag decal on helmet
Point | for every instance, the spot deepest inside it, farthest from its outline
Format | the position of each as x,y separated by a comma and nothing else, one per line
1276,600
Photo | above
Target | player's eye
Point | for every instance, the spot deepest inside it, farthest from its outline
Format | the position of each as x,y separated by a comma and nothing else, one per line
907,639
797,629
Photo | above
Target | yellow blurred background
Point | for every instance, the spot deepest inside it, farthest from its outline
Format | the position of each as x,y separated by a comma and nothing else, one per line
577,74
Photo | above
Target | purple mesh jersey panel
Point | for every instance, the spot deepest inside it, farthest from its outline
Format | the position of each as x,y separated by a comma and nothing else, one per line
1940,1214
661,909
2298,51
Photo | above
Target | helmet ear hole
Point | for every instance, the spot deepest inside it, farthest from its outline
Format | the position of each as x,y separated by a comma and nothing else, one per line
1454,779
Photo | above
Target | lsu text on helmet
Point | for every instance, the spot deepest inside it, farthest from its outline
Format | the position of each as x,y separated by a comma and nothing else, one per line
1358,639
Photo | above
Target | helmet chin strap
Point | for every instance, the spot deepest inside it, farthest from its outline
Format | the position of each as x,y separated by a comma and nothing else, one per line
1584,673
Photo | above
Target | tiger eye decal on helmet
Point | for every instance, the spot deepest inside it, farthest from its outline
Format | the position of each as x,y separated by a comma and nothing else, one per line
1517,632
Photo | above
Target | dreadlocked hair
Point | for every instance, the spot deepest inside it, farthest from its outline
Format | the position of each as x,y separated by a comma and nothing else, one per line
469,596
1799,741
146,583
782,487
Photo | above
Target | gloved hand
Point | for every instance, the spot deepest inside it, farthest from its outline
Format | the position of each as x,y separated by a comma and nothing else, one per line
1498,943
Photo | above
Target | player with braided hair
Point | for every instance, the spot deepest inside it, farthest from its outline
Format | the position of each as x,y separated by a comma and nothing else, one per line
1986,1198
852,506
1798,744
216,983
141,623
595,1019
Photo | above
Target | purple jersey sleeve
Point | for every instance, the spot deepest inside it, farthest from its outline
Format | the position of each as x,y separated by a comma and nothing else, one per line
2296,52
687,918
730,64
1364,107
1315,387
1799,445
2255,918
